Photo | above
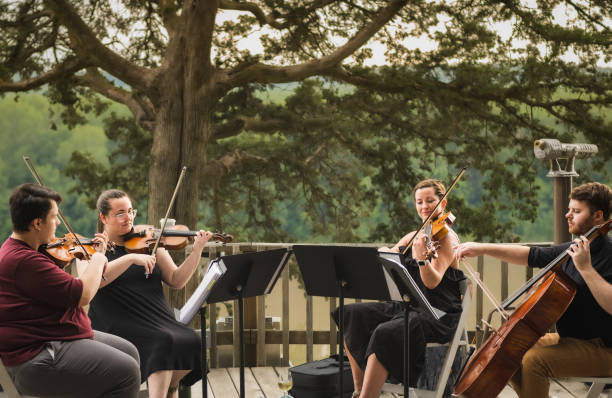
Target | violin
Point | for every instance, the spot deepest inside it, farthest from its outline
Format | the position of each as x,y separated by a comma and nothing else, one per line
63,250
142,238
436,231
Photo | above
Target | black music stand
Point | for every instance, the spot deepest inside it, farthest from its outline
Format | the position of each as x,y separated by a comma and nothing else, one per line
358,272
238,283
404,288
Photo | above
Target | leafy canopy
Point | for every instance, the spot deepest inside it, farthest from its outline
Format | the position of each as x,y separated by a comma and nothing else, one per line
351,137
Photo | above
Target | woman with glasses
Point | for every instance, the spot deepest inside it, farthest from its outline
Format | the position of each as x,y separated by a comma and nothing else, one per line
133,306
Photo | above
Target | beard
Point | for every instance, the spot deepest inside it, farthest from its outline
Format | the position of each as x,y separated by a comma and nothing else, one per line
581,228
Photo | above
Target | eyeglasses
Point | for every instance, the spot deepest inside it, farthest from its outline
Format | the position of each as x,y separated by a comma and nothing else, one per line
123,214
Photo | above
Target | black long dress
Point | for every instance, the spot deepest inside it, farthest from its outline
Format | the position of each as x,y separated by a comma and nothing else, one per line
135,308
378,327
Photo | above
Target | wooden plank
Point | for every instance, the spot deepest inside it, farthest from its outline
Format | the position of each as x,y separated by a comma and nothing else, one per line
212,316
196,390
333,345
251,388
309,334
504,280
528,273
281,369
209,391
268,381
479,298
275,337
261,331
221,384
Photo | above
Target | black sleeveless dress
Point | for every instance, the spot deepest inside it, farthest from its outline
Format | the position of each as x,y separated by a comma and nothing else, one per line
378,328
136,309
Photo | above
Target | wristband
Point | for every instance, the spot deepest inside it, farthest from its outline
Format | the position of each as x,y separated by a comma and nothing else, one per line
422,263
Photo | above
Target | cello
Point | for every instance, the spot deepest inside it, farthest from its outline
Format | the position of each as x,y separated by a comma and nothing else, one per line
500,356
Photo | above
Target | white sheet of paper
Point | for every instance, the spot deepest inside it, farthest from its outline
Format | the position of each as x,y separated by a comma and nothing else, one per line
214,272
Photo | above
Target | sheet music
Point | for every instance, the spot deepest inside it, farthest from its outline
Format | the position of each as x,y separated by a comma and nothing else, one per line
214,272
393,289
394,293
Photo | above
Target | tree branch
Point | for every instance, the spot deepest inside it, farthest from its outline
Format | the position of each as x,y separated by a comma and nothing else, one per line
341,74
167,11
86,45
143,112
261,16
262,73
255,10
68,67
225,164
242,123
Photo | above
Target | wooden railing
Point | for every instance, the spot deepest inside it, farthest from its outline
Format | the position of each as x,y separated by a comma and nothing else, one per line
258,336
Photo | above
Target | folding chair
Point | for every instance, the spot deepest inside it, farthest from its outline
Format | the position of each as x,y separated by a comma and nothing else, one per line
597,385
460,338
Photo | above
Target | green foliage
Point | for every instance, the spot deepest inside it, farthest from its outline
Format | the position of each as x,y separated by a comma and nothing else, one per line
334,157
26,124
129,149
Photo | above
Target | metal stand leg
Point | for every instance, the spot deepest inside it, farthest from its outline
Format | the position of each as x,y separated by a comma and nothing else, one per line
241,328
204,356
341,329
406,350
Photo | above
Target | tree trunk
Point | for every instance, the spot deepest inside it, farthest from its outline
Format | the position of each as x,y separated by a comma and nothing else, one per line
183,128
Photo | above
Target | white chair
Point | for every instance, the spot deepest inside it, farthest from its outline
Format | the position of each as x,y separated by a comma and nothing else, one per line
460,338
7,384
597,385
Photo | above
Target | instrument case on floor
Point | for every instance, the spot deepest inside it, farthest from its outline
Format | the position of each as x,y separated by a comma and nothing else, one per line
319,379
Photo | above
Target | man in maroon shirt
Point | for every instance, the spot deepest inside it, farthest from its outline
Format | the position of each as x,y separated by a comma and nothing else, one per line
46,340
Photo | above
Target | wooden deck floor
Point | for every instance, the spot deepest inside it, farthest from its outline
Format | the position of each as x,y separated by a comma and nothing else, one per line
260,383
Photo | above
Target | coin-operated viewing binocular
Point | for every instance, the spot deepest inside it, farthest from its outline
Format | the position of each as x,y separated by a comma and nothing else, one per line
553,150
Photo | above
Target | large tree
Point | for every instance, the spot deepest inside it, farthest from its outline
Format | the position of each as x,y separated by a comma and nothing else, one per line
475,96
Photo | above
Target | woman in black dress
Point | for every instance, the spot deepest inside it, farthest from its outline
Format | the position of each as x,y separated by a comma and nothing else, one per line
134,307
373,334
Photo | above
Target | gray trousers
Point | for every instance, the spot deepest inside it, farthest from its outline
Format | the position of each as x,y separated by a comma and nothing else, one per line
107,366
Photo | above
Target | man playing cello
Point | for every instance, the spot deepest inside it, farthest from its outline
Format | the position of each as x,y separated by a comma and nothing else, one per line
582,345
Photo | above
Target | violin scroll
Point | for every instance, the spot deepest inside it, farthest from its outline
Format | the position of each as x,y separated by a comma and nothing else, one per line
223,238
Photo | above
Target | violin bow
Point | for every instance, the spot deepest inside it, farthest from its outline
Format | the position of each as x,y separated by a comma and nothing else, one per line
161,232
28,163
430,216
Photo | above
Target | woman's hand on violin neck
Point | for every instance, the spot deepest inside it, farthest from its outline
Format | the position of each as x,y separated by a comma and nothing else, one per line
144,260
201,239
101,240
